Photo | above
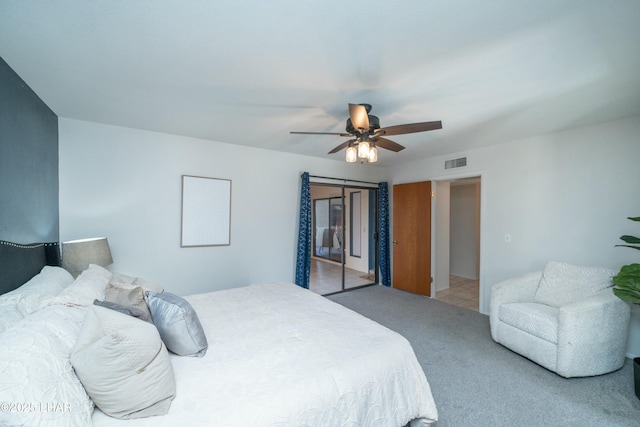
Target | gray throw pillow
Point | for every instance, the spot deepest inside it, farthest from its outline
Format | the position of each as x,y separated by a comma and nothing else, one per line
178,324
129,310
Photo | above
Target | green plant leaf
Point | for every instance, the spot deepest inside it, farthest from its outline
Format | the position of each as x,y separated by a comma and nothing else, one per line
629,270
630,239
626,295
628,246
627,283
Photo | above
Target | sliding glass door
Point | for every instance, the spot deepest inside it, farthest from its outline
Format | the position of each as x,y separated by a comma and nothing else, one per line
344,238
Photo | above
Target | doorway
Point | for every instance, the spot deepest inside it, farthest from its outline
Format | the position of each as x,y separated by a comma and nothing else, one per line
457,241
344,238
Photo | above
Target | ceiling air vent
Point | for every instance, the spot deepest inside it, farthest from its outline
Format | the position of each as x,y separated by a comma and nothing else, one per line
455,163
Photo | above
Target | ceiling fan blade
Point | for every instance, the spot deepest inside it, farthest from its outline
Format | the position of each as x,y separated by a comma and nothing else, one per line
387,144
359,117
341,146
409,128
321,133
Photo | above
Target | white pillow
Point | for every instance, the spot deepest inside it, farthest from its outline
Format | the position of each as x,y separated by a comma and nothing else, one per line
88,286
123,279
123,364
563,283
46,284
35,371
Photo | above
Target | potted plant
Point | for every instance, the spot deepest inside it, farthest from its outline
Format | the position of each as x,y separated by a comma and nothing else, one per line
626,286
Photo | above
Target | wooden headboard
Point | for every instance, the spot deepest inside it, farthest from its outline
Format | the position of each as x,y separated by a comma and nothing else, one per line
19,263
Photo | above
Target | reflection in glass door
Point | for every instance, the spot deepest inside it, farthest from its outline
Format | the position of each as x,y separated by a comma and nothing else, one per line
327,216
344,220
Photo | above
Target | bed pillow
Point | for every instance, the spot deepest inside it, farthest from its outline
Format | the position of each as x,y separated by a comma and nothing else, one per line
88,286
35,371
129,310
123,279
148,285
126,295
123,364
563,283
46,284
178,324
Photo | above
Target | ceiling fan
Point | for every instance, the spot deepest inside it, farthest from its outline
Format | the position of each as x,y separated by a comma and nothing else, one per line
367,134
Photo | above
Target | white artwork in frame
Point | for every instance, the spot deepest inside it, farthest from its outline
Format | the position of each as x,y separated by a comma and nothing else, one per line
206,211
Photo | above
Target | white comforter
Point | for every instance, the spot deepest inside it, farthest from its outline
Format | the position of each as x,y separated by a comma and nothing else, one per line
280,355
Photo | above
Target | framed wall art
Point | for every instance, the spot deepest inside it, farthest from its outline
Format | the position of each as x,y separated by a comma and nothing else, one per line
206,211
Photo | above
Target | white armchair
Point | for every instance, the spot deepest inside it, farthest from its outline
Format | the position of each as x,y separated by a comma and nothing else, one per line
565,318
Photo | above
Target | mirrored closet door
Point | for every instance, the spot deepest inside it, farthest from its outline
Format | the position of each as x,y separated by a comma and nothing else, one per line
343,254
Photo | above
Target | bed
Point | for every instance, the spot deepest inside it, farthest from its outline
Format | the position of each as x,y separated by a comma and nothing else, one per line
278,355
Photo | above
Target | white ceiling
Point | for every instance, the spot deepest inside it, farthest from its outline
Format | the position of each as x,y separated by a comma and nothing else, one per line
248,72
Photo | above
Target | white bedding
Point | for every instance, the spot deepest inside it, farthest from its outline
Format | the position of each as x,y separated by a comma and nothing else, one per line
280,355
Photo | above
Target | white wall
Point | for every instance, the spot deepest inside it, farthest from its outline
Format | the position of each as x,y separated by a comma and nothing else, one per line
562,196
465,204
440,232
126,184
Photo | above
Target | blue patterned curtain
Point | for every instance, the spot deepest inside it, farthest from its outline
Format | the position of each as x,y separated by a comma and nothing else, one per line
303,261
383,234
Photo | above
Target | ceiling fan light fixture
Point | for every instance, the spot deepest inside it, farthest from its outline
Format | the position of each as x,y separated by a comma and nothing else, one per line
373,154
363,149
352,154
367,135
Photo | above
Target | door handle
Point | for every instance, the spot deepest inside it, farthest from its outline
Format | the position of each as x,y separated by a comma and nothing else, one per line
395,242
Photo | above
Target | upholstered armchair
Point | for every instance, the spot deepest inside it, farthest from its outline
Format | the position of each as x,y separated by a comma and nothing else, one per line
565,318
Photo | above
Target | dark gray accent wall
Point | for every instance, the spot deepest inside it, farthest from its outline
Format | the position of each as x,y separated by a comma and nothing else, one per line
28,163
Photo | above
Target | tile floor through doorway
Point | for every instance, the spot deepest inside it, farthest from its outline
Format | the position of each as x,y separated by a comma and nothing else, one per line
462,292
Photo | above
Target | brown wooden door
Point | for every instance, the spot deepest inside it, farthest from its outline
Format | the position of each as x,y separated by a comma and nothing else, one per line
412,237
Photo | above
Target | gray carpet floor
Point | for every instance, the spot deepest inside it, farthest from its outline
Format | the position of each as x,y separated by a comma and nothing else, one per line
477,382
